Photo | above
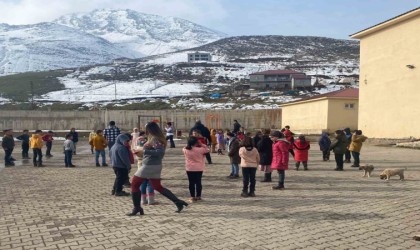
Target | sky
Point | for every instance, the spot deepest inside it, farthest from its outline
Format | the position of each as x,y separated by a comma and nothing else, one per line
328,18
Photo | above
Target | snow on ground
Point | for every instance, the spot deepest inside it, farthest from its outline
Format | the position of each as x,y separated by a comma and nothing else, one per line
91,91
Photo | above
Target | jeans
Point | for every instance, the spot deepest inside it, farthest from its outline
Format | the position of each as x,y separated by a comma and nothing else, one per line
356,157
102,153
235,169
248,177
282,175
25,149
339,161
49,146
326,154
194,179
110,144
8,156
146,186
68,154
171,140
120,178
37,155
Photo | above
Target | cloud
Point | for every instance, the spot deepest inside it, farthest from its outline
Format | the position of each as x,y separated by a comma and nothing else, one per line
34,11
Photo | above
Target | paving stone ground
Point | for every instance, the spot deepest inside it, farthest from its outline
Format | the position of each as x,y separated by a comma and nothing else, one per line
60,208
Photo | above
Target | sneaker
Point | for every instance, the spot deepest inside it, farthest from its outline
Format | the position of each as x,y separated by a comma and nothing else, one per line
251,194
97,164
122,193
244,194
104,165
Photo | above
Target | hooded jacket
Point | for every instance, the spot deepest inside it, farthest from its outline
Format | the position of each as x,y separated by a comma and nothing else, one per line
280,155
357,142
233,151
8,142
249,157
98,142
119,154
301,149
36,141
339,145
265,148
324,142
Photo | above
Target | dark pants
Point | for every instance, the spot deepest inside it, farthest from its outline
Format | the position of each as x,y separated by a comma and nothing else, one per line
194,179
356,157
292,152
248,178
49,146
25,150
326,155
208,157
339,161
68,154
37,156
110,144
120,178
171,140
8,156
282,176
348,155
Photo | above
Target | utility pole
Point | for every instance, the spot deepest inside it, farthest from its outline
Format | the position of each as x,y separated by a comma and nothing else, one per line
32,95
115,83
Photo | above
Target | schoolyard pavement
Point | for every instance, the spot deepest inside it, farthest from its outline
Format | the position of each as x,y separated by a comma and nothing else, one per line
59,208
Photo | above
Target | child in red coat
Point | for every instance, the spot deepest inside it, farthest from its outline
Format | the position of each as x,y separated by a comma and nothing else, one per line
280,160
301,148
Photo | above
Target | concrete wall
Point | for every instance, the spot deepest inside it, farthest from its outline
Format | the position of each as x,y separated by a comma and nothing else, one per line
307,118
389,90
340,117
127,120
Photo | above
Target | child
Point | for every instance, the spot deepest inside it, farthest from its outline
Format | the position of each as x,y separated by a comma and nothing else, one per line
324,145
249,162
194,154
8,144
99,143
196,133
220,142
240,135
25,143
213,140
36,144
301,147
355,147
48,138
91,135
120,161
233,153
347,154
339,146
280,160
146,189
68,151
265,149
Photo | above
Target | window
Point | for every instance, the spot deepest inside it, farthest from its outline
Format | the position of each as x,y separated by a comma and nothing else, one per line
349,106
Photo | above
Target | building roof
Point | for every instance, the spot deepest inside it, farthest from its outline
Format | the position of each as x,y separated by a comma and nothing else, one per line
387,23
277,72
349,93
301,76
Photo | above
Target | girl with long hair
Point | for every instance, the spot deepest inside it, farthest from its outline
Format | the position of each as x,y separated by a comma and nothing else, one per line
151,168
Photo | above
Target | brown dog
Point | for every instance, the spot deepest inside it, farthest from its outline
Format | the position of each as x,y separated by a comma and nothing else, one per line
368,169
391,172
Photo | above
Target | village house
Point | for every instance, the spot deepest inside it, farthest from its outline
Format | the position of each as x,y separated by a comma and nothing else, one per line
390,77
279,79
199,57
326,112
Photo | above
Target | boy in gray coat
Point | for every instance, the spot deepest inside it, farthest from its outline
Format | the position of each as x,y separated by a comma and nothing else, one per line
120,162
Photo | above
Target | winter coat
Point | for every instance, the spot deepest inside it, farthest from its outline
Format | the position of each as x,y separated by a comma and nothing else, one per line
169,130
98,142
357,142
220,138
233,151
256,139
24,138
36,141
194,158
265,148
151,167
289,137
205,132
339,145
324,142
236,127
8,142
75,136
69,145
48,138
119,154
301,150
280,155
249,157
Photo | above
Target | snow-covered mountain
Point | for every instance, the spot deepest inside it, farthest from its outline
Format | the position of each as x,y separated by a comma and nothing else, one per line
46,46
145,34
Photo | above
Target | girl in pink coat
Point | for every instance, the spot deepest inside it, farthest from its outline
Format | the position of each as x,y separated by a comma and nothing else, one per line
301,147
194,153
280,160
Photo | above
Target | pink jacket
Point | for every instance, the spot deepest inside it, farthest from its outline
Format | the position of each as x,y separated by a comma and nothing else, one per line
194,158
301,150
280,155
249,158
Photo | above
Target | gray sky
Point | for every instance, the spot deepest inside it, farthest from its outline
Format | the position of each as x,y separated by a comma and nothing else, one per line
330,18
